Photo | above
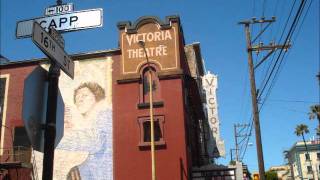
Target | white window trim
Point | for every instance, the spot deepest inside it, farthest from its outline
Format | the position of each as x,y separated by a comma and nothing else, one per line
3,125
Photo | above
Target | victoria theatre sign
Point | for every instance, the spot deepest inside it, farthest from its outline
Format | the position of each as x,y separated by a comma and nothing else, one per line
161,45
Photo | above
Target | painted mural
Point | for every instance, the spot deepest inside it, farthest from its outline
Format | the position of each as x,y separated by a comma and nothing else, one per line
85,151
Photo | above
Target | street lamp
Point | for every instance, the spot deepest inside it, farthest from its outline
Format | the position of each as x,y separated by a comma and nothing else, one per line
153,163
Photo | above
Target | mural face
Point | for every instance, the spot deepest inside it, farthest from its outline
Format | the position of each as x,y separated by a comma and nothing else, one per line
85,151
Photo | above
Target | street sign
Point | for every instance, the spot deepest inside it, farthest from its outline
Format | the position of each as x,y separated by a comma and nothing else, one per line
60,9
34,109
52,49
57,36
72,21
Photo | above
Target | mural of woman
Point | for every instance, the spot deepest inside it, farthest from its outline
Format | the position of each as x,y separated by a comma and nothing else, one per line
91,132
87,95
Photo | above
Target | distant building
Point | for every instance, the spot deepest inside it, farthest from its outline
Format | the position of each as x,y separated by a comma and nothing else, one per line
283,172
304,165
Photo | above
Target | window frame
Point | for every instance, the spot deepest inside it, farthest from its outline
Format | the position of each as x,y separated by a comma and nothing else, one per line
4,111
307,156
309,171
160,119
144,96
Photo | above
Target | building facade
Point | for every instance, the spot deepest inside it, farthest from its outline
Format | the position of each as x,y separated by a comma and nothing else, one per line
283,172
304,164
106,109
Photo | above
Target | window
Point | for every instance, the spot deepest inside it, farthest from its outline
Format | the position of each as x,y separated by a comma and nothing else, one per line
145,83
309,169
307,157
2,97
4,84
147,133
21,145
145,130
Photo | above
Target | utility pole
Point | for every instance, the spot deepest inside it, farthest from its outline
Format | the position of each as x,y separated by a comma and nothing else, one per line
238,134
272,48
236,141
59,2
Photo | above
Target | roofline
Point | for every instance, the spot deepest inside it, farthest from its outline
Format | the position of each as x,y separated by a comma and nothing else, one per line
301,147
132,27
77,56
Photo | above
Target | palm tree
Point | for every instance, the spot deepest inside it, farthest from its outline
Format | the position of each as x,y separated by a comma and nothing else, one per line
315,112
300,131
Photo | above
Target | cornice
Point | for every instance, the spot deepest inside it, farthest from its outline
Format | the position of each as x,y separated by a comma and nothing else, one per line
132,28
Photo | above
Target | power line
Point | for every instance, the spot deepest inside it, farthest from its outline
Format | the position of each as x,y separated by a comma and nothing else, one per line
297,34
294,101
291,30
275,75
263,7
264,83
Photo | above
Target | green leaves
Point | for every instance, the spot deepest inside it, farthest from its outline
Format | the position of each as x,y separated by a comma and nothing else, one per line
301,130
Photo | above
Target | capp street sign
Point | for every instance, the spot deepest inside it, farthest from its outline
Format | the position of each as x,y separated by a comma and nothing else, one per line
60,9
72,21
52,49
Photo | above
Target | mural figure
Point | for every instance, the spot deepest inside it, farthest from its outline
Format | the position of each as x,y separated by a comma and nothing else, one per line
90,132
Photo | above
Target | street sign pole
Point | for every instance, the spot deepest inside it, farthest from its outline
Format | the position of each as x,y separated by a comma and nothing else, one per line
50,126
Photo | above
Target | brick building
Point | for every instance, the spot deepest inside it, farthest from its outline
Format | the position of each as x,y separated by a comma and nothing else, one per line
106,109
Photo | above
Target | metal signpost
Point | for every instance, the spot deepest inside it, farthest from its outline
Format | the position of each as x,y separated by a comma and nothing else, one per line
71,21
59,59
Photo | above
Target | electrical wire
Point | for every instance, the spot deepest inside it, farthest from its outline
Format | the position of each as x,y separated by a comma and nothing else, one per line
291,30
289,35
278,68
263,7
272,61
298,32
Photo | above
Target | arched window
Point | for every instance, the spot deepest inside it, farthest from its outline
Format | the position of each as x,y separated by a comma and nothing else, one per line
144,85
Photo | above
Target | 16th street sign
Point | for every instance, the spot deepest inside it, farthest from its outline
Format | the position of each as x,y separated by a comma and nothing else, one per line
52,49
63,22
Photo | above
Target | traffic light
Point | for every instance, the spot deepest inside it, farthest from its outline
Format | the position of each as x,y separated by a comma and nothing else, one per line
256,177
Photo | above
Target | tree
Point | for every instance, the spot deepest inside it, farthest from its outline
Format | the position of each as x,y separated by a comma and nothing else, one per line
232,162
300,131
315,112
271,175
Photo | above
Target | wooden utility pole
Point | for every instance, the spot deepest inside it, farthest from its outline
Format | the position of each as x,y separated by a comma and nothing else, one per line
238,134
59,2
153,160
272,48
236,141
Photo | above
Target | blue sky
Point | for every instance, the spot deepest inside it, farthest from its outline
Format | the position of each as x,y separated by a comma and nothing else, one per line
213,23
